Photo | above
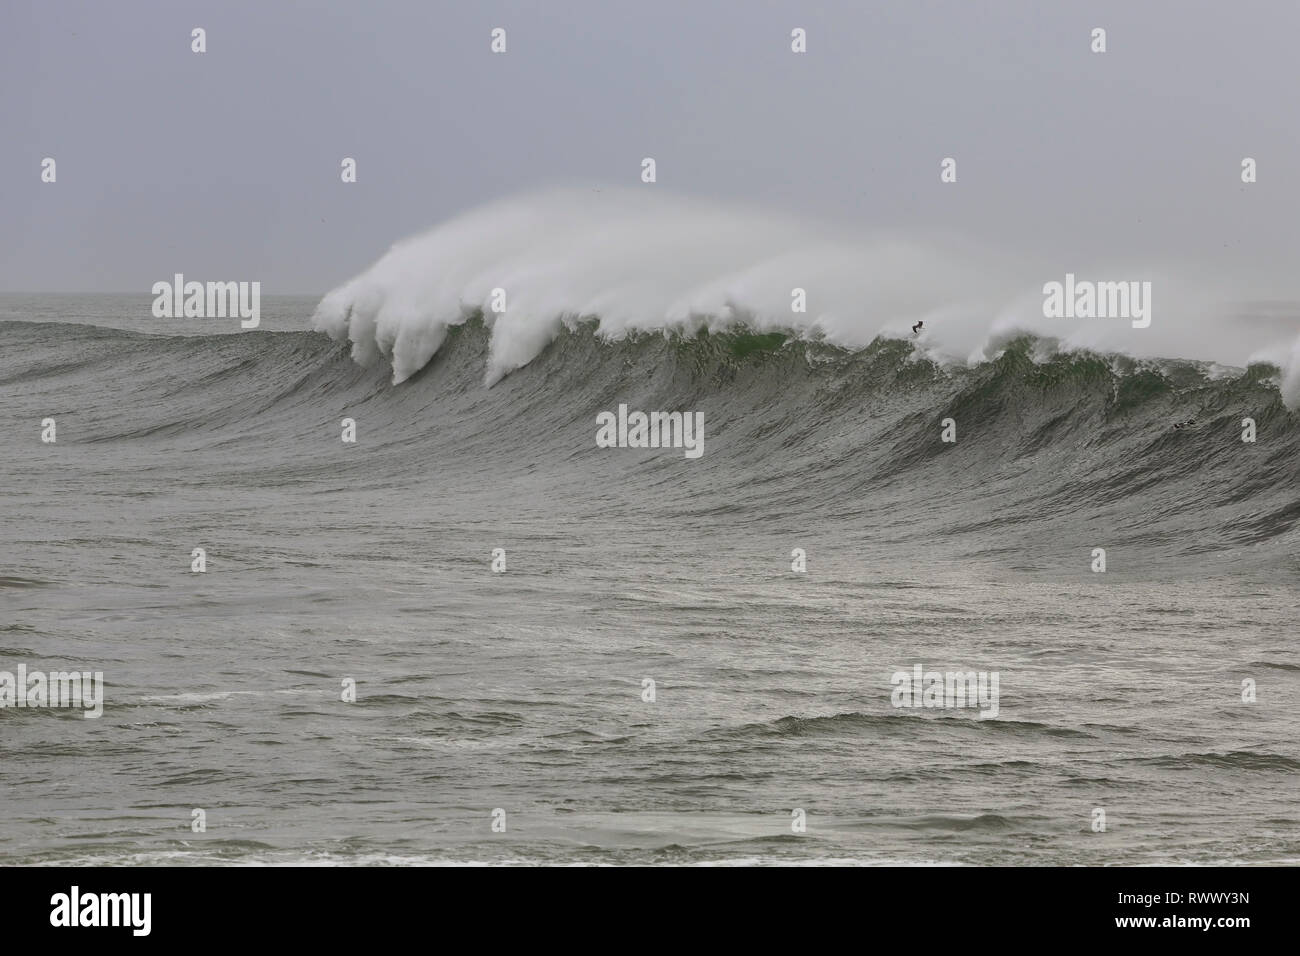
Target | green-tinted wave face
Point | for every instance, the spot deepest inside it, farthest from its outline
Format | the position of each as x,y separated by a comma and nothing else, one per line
1044,442
742,344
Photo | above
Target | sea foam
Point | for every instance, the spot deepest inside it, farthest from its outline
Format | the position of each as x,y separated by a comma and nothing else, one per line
638,260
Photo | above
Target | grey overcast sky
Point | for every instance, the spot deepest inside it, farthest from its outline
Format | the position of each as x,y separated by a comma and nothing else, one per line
226,165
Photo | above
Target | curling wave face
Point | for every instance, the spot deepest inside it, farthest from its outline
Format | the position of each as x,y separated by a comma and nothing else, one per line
1052,445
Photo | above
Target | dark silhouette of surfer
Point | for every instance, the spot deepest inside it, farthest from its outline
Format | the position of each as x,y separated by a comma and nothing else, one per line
917,328
1187,424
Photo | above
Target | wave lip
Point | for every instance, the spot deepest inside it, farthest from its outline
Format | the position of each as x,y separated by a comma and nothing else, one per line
634,262
640,260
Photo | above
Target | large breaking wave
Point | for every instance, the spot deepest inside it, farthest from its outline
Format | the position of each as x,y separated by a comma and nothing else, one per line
640,260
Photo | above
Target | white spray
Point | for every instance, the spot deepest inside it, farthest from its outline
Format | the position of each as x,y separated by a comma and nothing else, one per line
645,260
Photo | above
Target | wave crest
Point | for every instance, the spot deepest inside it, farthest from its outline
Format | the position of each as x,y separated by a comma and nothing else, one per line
641,260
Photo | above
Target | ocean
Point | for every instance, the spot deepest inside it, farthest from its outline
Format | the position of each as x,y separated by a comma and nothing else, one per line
568,654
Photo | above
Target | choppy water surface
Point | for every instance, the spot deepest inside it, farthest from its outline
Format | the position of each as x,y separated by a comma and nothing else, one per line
523,690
